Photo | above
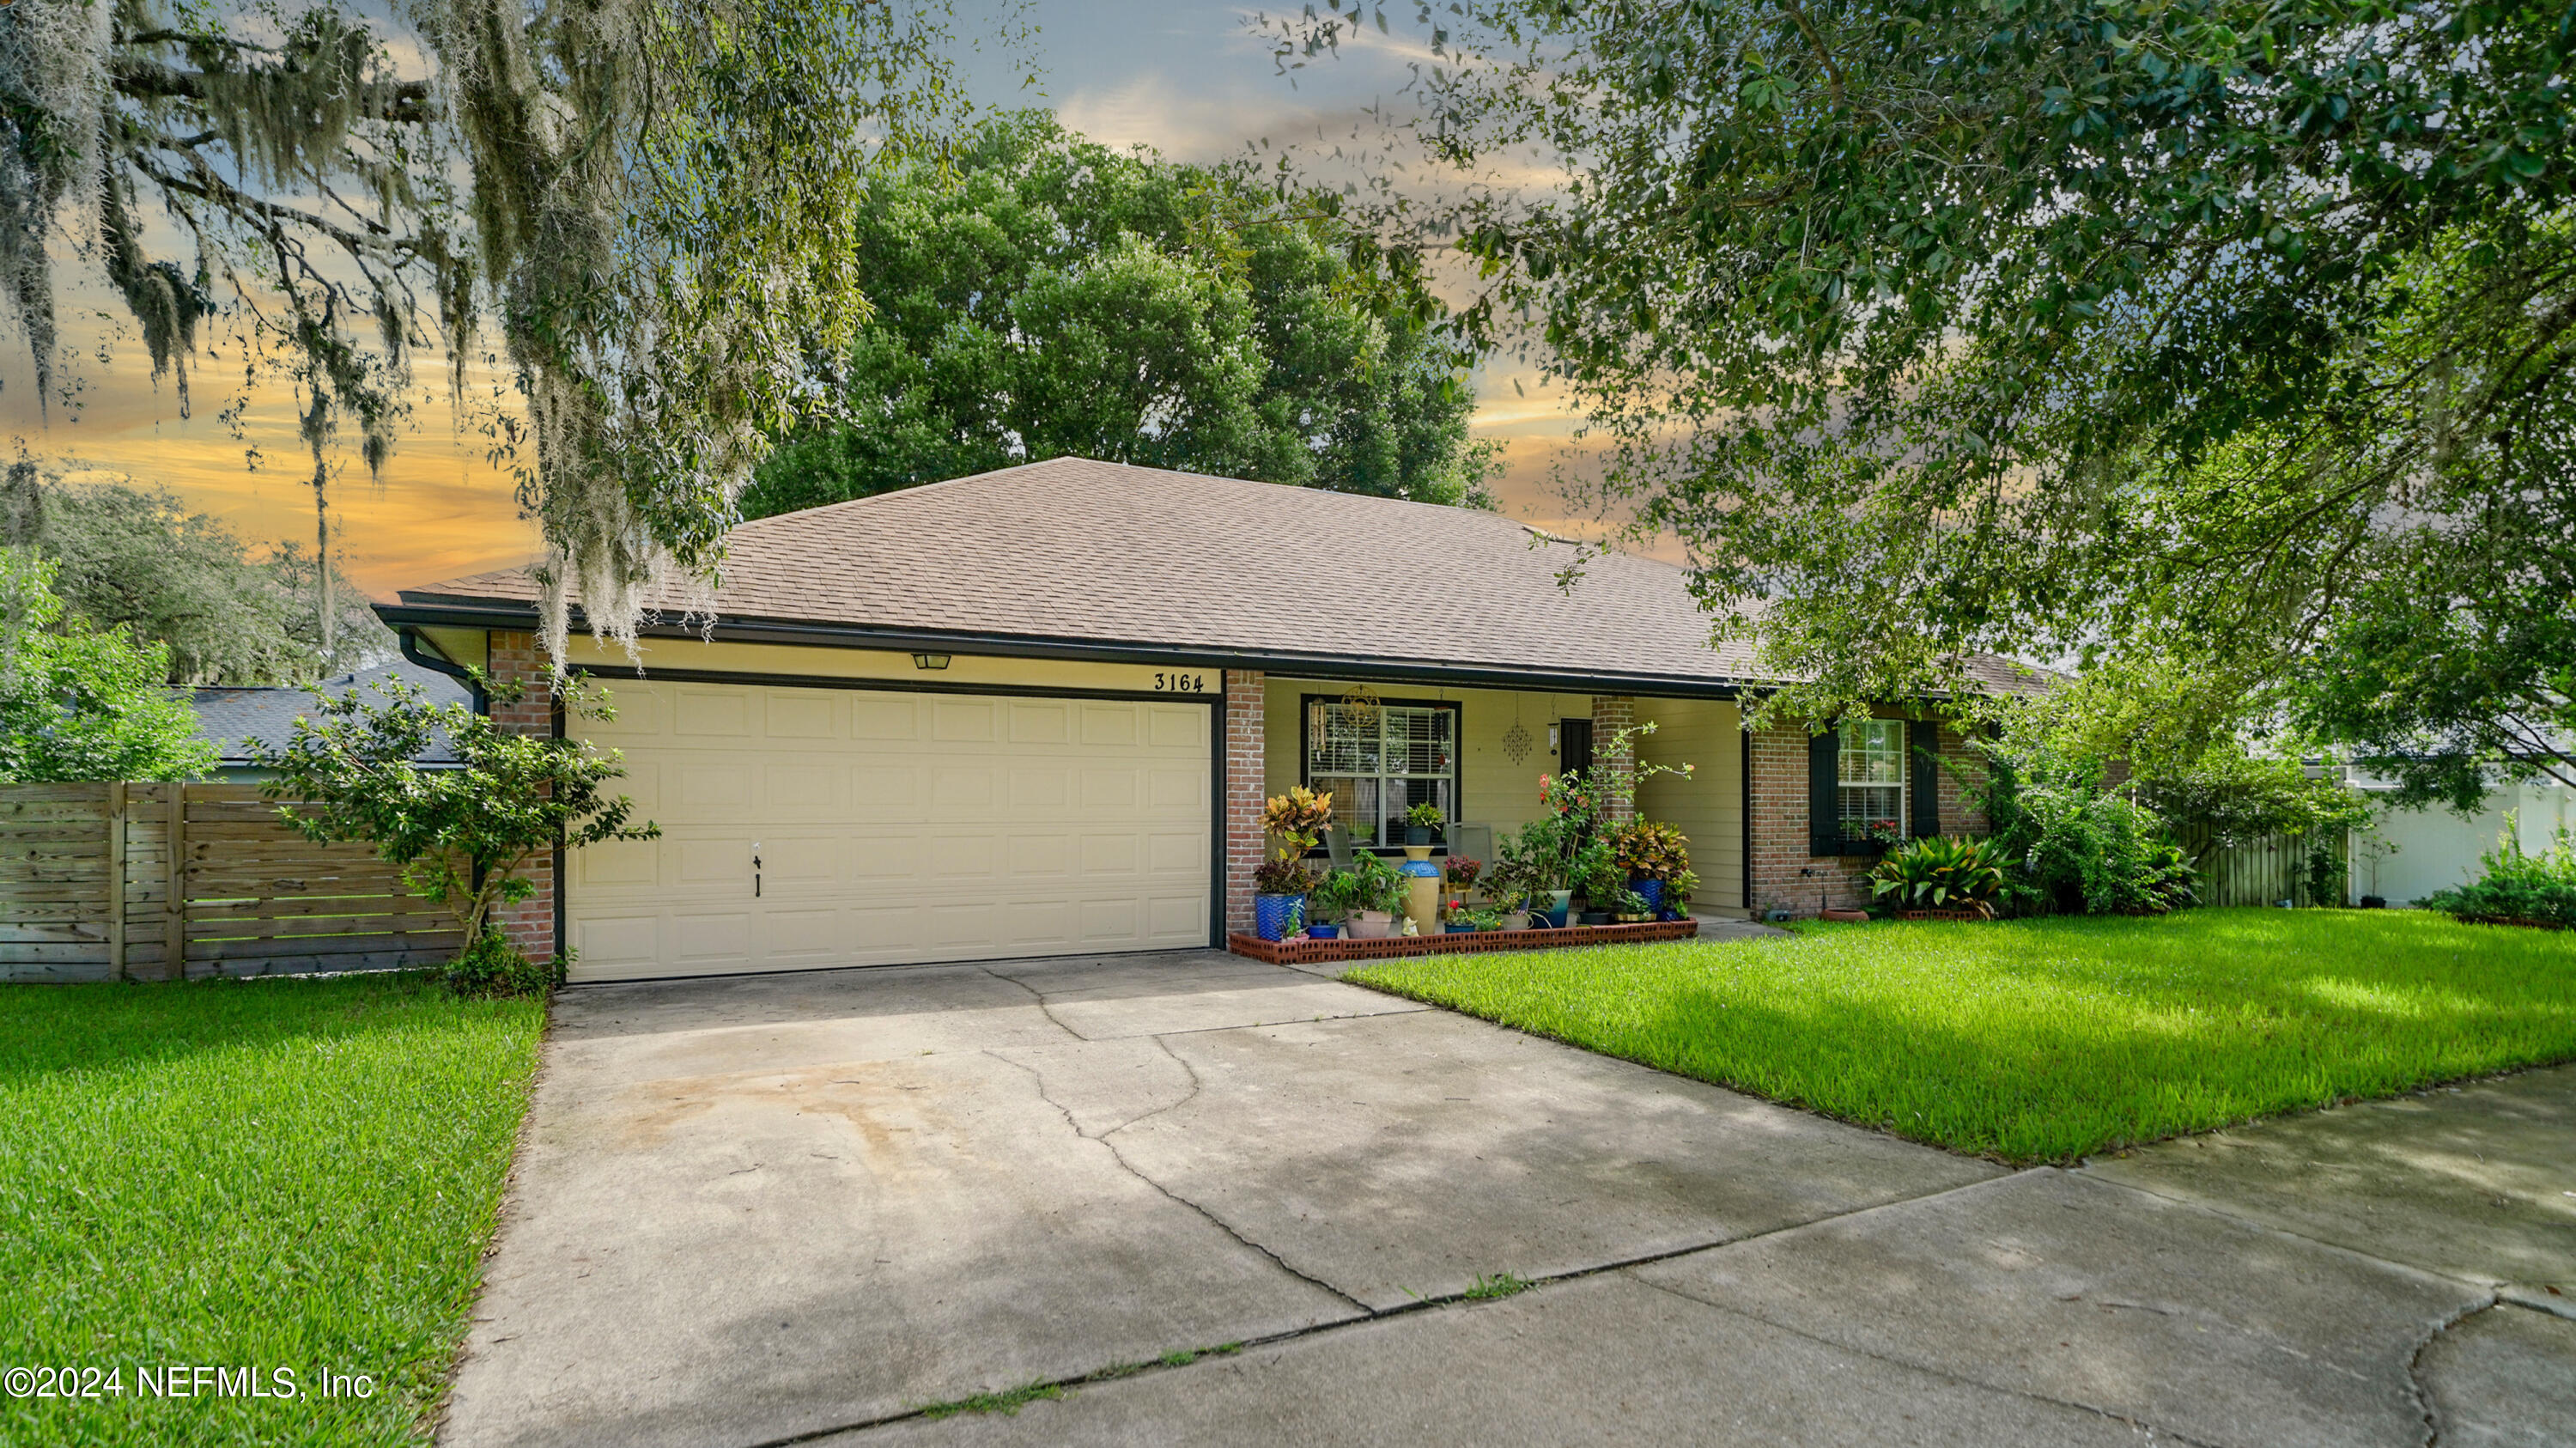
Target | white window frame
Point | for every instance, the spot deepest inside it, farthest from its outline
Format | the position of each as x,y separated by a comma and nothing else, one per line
1872,758
1394,785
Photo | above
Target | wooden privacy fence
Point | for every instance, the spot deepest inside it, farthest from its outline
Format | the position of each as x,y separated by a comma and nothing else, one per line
2266,871
152,881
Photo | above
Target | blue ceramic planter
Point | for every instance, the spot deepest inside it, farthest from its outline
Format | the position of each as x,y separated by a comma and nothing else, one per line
1324,932
1650,891
1271,914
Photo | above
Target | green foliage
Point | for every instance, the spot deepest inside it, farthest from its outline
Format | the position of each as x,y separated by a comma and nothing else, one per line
660,203
461,835
1282,875
136,557
2224,324
1648,850
1941,873
2516,885
2048,1040
1056,297
491,968
2085,850
1425,816
1376,885
78,703
290,1172
1336,896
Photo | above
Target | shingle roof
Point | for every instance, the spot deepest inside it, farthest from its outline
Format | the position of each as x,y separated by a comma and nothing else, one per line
231,718
1108,554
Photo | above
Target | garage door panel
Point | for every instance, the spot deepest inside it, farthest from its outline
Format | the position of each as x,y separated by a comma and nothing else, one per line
1049,789
800,714
1176,727
713,713
1039,858
885,716
893,828
1110,789
962,791
959,722
791,790
1040,723
1109,724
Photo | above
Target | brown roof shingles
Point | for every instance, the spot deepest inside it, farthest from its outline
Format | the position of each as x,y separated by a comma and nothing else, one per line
1105,553
1108,554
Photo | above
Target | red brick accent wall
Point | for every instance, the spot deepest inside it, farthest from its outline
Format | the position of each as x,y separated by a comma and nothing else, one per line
1963,770
1784,874
1244,764
1610,714
530,923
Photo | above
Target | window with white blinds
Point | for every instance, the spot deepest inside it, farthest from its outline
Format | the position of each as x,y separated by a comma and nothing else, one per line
1380,761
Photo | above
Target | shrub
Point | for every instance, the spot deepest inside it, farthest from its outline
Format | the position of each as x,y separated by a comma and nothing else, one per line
1648,850
2101,854
1283,876
1380,886
493,969
2516,885
1941,873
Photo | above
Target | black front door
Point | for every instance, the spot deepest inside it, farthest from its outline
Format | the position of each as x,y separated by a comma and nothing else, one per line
1574,744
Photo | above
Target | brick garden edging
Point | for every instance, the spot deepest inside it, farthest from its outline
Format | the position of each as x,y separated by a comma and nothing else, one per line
1476,942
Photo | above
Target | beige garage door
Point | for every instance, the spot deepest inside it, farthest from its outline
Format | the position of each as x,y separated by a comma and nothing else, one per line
892,828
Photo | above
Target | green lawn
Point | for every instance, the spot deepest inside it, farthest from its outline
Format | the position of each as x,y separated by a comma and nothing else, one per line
296,1174
2045,1040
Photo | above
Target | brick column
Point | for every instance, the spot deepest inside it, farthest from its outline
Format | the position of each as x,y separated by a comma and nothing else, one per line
529,923
1784,874
1610,714
1963,768
1246,764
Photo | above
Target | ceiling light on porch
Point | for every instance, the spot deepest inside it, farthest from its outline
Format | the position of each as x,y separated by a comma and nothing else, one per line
930,661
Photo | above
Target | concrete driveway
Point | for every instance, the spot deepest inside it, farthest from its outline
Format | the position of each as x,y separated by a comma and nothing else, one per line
1231,1203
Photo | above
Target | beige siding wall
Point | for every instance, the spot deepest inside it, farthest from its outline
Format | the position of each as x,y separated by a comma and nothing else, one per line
1708,807
1492,789
1495,791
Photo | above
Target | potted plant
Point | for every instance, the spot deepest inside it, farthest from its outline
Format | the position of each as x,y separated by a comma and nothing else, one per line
1377,892
1507,893
1421,822
1454,918
1541,859
1331,903
1294,821
1603,885
1652,855
1464,871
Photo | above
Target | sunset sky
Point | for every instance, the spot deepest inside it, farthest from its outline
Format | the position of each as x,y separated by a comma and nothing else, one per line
1192,80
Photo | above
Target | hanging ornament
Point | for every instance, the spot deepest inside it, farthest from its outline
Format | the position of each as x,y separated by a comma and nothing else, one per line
1359,709
1516,740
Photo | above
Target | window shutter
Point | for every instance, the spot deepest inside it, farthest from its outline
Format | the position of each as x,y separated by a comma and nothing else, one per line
1926,810
1824,793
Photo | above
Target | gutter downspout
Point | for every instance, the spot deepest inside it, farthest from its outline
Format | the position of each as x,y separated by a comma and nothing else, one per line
413,645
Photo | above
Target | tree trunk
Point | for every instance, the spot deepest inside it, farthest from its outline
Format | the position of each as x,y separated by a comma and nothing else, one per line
322,555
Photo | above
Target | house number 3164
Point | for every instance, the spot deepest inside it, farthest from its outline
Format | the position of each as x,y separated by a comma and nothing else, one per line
1180,683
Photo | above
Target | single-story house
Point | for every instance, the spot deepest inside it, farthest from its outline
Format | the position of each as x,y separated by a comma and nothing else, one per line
233,719
1036,711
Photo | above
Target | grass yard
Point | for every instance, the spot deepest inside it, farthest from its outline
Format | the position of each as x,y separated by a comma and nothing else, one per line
296,1174
2046,1040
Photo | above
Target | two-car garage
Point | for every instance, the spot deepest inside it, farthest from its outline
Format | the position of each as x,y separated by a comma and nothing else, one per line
810,827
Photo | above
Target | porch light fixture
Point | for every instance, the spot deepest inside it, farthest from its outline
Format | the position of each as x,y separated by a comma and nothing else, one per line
930,661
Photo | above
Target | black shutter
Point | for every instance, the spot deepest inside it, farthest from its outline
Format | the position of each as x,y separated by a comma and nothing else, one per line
1926,811
1825,793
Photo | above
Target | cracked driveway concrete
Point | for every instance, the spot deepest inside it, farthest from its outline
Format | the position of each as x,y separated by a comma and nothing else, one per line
764,1209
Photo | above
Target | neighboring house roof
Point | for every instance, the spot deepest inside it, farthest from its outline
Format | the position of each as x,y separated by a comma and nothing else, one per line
231,718
1115,557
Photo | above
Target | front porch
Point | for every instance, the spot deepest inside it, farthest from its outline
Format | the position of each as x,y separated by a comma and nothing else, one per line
1478,755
